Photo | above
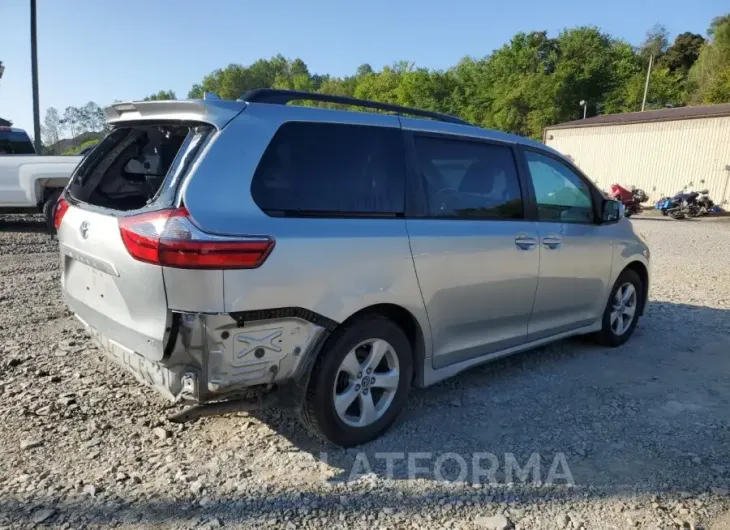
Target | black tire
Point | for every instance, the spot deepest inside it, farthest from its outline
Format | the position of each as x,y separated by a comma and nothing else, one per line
49,209
607,336
318,412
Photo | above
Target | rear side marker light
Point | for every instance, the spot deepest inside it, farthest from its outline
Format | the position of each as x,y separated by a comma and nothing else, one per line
169,238
60,210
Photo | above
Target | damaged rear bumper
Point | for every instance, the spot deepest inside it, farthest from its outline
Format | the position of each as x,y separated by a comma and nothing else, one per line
218,357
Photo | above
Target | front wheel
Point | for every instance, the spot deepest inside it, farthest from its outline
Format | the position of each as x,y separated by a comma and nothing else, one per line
676,215
622,310
360,383
49,209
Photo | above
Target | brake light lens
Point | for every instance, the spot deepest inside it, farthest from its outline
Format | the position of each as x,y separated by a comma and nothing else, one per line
169,238
59,211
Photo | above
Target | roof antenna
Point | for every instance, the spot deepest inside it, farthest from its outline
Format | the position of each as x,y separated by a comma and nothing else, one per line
211,95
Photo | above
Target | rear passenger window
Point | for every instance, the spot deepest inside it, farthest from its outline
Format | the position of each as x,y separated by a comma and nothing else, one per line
466,179
317,169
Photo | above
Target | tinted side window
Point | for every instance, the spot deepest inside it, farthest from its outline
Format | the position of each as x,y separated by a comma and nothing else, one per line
328,168
466,179
562,195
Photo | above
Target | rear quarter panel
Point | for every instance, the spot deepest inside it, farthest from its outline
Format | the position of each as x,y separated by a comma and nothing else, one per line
332,266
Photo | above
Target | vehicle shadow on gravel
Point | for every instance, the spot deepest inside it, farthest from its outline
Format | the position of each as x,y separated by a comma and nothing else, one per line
654,412
258,510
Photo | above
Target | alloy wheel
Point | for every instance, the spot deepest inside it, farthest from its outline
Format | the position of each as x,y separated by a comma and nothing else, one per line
366,383
623,308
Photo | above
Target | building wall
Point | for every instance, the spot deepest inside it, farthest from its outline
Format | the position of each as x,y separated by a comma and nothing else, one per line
661,158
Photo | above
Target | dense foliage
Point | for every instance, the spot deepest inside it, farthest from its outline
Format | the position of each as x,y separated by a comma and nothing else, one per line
532,81
161,95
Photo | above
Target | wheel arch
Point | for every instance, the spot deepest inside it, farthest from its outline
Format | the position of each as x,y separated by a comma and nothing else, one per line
641,269
410,326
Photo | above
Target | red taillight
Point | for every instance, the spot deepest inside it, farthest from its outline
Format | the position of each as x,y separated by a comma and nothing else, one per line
60,210
169,238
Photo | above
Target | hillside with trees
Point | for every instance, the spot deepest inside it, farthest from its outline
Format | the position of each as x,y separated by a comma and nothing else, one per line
532,81
65,133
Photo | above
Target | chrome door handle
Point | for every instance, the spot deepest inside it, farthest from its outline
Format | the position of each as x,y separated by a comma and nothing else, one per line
552,241
525,241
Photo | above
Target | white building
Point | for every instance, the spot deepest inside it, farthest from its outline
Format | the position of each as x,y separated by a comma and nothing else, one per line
660,151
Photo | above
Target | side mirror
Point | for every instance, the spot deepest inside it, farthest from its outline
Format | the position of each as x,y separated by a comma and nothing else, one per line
611,211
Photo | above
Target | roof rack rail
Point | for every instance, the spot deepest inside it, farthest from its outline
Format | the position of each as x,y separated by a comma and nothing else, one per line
282,97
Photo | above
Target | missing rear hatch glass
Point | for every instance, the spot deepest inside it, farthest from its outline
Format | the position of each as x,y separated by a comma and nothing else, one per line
128,170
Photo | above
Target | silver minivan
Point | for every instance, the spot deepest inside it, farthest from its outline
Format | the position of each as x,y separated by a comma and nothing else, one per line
234,252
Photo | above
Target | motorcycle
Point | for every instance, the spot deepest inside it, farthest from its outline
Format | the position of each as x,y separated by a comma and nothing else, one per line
683,205
705,203
631,199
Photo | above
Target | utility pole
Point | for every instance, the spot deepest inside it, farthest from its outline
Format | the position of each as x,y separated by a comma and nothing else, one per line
646,86
34,78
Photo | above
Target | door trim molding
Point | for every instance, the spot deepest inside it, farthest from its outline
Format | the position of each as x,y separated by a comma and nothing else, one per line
433,375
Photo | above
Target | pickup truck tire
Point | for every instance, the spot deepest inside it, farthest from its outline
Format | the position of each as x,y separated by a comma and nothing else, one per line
49,209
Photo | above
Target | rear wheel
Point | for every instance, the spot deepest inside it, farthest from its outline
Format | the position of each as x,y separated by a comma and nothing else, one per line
360,382
622,310
49,209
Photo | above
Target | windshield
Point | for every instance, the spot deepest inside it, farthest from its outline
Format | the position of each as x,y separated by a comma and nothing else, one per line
15,143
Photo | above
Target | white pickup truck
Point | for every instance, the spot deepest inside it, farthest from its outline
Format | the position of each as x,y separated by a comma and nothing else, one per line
30,182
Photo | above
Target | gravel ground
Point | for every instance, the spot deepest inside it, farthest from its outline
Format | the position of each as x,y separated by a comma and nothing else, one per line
643,431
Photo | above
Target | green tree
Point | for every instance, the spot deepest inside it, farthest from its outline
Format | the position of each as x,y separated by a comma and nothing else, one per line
72,121
683,53
364,69
716,23
532,81
94,117
655,43
512,88
706,77
587,70
51,130
719,91
161,95
235,80
665,89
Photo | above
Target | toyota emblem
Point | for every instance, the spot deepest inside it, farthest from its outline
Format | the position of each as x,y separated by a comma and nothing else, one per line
84,229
